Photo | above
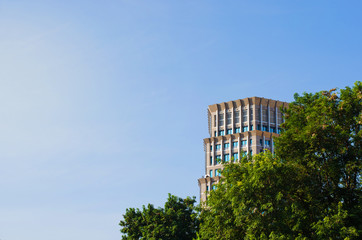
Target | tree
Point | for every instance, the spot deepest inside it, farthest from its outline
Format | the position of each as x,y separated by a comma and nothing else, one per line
323,135
178,220
310,189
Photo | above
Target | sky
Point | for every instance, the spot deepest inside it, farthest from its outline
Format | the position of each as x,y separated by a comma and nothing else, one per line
103,103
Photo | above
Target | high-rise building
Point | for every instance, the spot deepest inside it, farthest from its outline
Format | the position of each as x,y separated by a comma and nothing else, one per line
237,128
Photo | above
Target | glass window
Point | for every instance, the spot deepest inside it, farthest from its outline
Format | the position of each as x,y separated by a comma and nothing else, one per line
261,142
245,115
251,153
245,153
243,143
210,173
226,157
237,130
272,115
251,113
258,127
235,144
280,117
251,142
215,134
210,160
221,119
226,145
229,131
218,147
207,188
235,156
257,113
251,127
265,128
267,142
237,116
228,118
272,129
218,159
222,133
279,130
265,114
245,129
210,148
213,187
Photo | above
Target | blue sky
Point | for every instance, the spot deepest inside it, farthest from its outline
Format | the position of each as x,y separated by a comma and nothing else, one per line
103,103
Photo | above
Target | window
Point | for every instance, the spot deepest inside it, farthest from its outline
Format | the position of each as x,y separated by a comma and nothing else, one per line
213,187
245,115
243,143
280,117
257,113
272,129
210,148
217,172
218,147
229,131
235,156
245,129
267,142
279,130
221,119
218,159
272,115
237,116
245,153
210,160
226,157
226,145
261,142
251,153
207,188
237,130
251,142
251,113
251,127
265,128
215,134
210,173
265,114
228,118
235,144
222,133
258,127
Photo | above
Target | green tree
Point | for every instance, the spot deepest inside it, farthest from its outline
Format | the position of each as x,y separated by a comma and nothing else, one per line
178,220
322,134
309,190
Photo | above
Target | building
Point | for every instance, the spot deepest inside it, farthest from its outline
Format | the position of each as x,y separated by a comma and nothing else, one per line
238,128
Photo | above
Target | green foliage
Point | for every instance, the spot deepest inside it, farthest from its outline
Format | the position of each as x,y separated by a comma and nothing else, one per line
178,220
310,189
323,135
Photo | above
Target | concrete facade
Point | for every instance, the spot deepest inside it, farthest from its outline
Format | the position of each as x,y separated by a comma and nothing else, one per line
237,128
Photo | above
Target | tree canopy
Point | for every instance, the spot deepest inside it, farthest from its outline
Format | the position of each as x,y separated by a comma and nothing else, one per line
178,220
311,187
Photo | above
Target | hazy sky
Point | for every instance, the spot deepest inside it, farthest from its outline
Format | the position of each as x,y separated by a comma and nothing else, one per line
103,103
